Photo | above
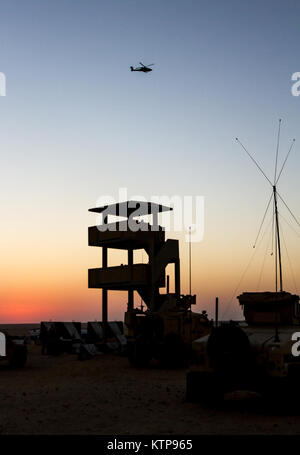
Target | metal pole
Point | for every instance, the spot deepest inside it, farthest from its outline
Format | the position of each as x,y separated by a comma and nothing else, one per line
130,291
190,260
177,278
104,294
276,263
278,237
217,312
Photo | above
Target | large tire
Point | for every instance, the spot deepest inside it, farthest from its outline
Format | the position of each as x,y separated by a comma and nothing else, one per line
230,356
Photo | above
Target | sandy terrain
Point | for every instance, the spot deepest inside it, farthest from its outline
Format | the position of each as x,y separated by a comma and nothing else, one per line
107,396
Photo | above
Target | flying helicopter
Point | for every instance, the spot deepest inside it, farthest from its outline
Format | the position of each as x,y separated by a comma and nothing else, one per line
143,68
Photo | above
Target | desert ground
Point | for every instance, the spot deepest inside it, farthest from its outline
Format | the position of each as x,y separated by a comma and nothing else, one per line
105,395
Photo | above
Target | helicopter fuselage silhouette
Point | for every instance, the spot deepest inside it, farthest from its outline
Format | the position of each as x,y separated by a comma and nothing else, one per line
143,68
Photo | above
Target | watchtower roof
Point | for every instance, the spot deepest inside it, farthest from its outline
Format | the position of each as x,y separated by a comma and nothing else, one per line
126,208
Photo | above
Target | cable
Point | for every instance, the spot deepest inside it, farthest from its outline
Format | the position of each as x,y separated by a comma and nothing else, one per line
225,308
254,161
289,209
277,150
273,230
290,264
290,226
264,261
261,224
291,146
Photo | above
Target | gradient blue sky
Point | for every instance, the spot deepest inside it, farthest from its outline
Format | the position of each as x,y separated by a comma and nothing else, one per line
76,123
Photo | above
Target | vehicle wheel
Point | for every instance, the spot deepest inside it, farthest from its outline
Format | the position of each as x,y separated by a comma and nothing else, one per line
230,356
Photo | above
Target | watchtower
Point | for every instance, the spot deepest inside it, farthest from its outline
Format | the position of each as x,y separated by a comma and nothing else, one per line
130,233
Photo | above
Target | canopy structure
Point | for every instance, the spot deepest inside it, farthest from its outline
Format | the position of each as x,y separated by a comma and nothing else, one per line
131,208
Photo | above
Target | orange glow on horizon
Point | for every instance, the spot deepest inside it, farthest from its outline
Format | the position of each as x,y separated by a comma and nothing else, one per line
51,282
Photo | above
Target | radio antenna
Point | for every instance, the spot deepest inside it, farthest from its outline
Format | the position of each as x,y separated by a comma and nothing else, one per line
274,196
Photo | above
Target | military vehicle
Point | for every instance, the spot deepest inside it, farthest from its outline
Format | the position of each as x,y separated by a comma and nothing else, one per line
165,334
256,354
163,325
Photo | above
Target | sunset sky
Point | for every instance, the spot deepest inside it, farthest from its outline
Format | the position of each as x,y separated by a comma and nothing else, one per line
76,124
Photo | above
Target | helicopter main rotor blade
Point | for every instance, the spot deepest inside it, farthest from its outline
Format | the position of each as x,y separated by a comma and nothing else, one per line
151,64
142,64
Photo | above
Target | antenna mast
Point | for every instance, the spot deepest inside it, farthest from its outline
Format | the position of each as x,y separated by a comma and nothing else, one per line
278,241
275,214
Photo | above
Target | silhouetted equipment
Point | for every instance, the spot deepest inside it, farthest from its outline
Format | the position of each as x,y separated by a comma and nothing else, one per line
279,308
59,337
167,326
115,339
95,332
256,354
118,334
217,312
274,196
35,335
143,68
16,350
